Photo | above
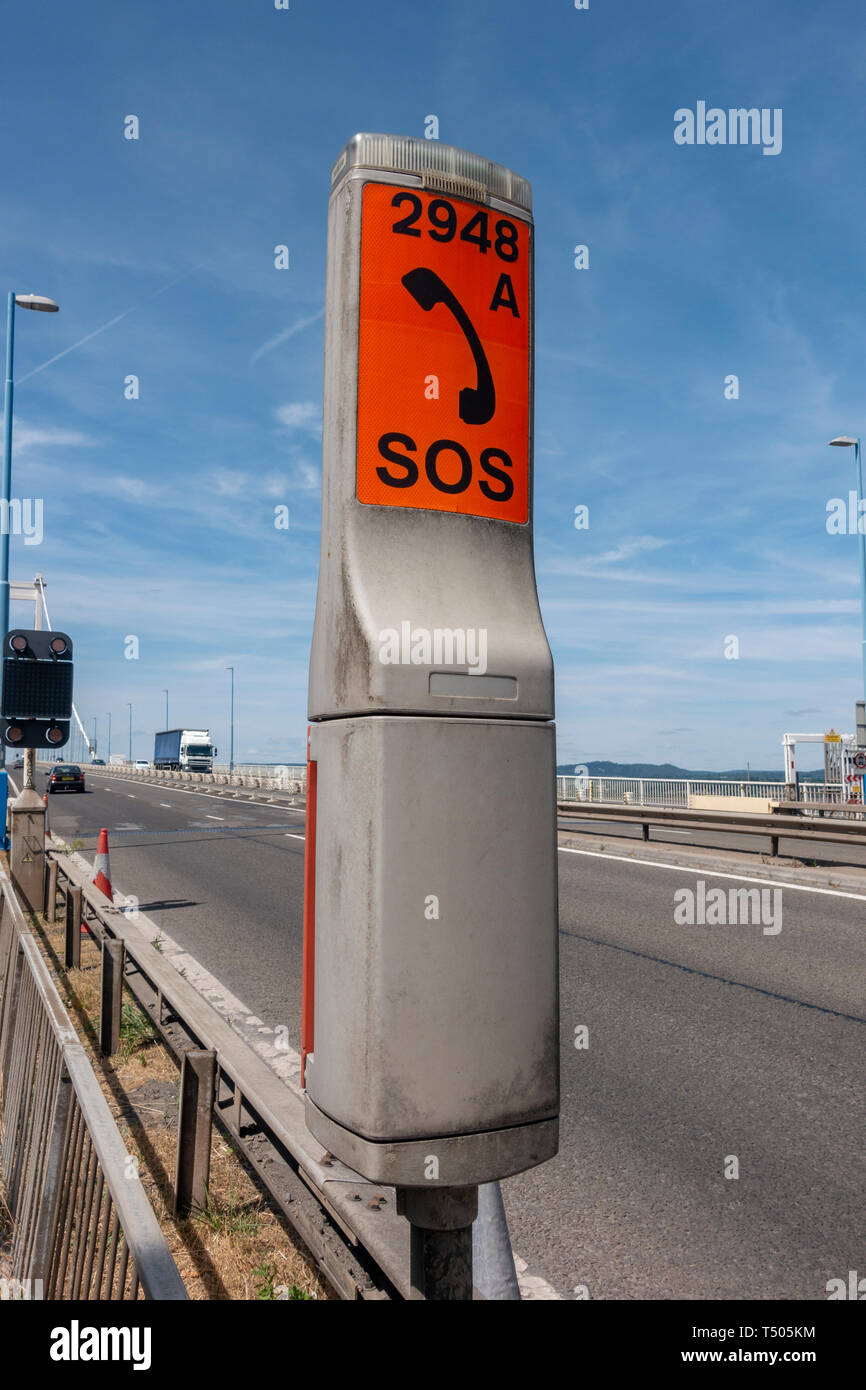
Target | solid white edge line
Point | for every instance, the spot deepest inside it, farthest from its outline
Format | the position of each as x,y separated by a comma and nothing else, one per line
711,873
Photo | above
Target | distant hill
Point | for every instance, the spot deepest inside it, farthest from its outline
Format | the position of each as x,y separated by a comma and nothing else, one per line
670,770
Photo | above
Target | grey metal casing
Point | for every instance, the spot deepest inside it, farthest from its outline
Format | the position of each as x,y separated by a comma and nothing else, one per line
435,1018
382,566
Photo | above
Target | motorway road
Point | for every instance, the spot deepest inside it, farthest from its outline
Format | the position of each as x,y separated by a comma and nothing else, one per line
706,1044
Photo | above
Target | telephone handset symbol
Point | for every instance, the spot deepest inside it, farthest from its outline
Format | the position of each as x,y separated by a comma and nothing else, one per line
477,403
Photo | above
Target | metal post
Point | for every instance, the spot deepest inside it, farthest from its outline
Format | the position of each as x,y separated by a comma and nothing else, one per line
113,959
130,730
495,1276
39,1265
441,1240
50,889
7,477
232,723
194,1122
27,855
108,754
72,951
861,537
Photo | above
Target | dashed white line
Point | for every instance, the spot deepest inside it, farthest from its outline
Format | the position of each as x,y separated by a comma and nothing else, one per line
208,817
166,804
214,796
290,836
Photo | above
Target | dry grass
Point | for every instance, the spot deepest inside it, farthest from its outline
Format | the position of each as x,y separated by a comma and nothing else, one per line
239,1246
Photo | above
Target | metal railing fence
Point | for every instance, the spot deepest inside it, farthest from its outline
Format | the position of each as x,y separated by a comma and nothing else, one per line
289,780
657,791
82,1225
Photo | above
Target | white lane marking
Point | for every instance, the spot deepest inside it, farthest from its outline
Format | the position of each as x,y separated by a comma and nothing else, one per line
210,817
290,836
166,804
131,795
532,1286
711,873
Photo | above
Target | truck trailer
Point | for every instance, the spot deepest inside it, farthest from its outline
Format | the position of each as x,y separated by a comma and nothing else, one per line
184,750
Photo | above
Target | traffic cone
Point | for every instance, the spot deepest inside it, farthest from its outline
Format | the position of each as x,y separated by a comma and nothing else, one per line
102,867
45,804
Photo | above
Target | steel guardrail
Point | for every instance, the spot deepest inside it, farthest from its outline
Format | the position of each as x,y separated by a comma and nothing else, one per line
356,1246
775,826
82,1225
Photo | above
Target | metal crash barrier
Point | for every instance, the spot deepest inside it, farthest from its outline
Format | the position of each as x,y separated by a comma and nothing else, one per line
82,1225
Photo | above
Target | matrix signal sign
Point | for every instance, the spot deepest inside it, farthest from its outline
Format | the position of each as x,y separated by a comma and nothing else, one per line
36,701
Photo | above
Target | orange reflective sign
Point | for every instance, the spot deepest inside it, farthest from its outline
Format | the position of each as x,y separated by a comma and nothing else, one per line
443,360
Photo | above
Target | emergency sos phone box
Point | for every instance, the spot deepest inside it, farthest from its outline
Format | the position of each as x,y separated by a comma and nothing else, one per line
431,1003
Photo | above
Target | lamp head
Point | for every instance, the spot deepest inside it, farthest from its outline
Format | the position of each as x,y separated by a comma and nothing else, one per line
37,301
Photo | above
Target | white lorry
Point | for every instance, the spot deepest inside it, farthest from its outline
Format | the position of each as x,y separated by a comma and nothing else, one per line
184,750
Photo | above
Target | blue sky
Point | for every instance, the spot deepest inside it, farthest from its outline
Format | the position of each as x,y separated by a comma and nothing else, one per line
707,515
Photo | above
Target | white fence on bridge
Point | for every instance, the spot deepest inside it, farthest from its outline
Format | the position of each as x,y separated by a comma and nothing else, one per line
627,791
659,791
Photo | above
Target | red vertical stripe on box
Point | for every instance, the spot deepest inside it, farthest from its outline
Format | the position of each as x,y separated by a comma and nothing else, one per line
309,966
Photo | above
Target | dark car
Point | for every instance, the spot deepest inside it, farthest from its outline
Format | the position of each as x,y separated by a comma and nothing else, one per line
98,762
66,777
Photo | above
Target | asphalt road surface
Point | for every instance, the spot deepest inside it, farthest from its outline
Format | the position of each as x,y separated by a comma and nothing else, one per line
712,1050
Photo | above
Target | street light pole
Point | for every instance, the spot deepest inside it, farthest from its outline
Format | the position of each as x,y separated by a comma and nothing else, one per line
130,729
24,301
232,725
845,441
108,754
93,752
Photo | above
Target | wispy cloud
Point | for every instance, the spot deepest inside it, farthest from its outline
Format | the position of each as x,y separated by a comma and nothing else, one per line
305,416
131,489
283,337
631,545
26,436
